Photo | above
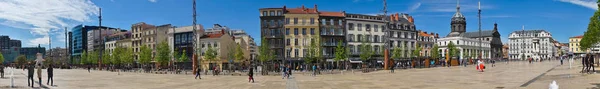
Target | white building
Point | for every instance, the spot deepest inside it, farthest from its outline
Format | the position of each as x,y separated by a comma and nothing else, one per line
537,44
366,28
242,37
462,41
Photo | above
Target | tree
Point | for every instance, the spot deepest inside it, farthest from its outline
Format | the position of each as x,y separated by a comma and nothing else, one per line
92,57
314,52
340,53
127,56
84,58
466,55
211,54
592,35
1,58
435,53
366,51
183,57
452,49
417,51
396,53
265,53
22,59
163,53
239,55
145,55
106,58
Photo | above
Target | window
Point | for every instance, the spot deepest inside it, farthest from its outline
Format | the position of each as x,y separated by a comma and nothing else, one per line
296,41
295,20
295,31
296,53
359,38
312,20
265,13
287,42
359,27
278,13
376,38
287,20
288,52
271,13
331,22
303,21
322,21
350,26
287,31
303,31
312,31
406,35
350,37
340,22
368,27
368,38
216,45
375,27
351,48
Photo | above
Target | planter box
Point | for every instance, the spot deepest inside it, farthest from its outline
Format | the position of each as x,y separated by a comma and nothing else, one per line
454,62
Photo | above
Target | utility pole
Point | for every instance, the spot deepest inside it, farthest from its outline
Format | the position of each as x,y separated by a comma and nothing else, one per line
66,43
50,46
385,36
195,59
479,16
102,42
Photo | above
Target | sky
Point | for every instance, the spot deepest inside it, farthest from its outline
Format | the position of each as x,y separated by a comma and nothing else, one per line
38,21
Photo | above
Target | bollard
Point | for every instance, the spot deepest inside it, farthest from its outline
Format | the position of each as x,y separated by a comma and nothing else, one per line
12,81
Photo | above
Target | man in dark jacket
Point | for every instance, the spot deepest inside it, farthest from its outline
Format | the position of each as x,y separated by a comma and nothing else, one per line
251,75
30,74
50,71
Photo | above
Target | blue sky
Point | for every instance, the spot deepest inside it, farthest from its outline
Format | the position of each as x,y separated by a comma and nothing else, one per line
34,21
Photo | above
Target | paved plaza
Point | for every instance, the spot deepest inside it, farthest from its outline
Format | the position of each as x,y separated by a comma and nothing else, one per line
514,75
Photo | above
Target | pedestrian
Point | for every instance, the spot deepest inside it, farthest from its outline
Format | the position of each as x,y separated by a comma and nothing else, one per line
493,63
1,70
590,63
283,72
251,75
50,71
30,74
289,71
584,63
39,73
198,73
561,60
314,68
480,65
89,67
392,68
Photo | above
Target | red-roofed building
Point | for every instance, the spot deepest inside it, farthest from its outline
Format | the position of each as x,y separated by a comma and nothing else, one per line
219,39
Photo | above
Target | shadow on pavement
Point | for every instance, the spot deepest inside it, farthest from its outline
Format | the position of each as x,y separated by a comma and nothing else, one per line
597,86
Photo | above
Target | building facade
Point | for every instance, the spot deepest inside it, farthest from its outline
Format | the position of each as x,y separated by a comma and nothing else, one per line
426,42
142,34
121,39
242,37
9,48
402,33
31,52
493,36
301,28
78,41
58,55
467,45
182,39
222,43
536,44
96,37
272,28
364,28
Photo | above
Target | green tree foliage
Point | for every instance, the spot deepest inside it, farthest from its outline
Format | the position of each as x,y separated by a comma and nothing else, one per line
145,55
127,56
22,59
107,59
466,55
366,51
239,54
396,53
417,51
1,58
435,53
452,49
116,56
314,52
592,35
163,53
92,57
211,54
183,57
340,52
84,58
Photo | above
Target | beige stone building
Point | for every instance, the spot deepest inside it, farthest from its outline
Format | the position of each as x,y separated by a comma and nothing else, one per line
219,39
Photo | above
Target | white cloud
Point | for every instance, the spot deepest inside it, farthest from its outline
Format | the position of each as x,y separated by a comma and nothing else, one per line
413,7
585,3
40,16
36,41
152,0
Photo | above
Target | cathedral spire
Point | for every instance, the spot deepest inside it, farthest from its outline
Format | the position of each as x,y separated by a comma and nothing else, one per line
457,5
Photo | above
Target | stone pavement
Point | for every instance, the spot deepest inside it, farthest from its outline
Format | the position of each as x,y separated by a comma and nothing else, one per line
514,75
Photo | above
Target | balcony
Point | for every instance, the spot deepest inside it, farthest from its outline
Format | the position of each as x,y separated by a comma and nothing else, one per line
332,32
329,44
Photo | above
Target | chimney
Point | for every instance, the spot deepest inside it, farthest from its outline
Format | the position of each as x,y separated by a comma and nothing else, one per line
437,35
284,8
432,34
303,7
344,13
316,9
410,19
425,32
495,26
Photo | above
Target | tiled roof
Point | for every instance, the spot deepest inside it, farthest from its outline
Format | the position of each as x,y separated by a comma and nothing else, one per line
580,36
218,35
424,34
301,11
336,14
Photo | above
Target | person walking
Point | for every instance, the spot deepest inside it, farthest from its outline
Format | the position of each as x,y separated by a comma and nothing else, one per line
314,69
584,63
39,73
30,74
1,70
561,60
88,67
592,62
251,75
50,71
198,73
283,72
289,71
392,68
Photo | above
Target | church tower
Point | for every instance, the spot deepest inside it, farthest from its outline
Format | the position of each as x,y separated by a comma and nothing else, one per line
458,23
